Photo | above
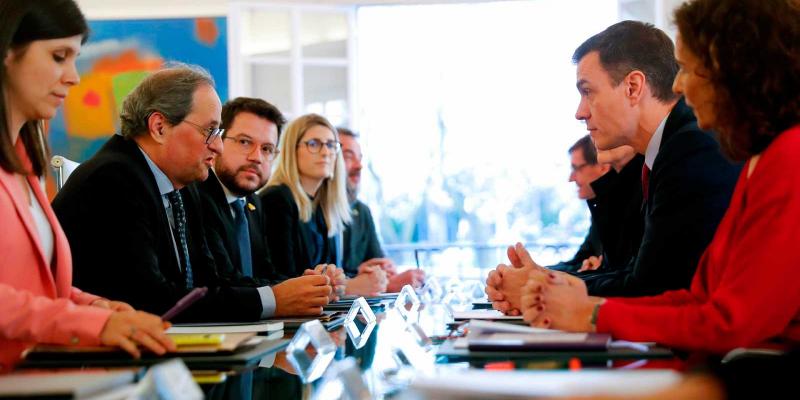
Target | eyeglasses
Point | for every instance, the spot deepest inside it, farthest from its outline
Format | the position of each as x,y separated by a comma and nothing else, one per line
246,146
210,133
576,168
315,145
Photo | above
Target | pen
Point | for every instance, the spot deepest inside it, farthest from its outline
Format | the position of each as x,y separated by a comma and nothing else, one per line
185,302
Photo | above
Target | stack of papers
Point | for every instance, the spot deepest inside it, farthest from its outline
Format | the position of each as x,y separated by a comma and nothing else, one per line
491,315
227,327
185,343
493,336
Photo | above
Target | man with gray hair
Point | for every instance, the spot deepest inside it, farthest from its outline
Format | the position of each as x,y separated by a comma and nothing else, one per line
134,222
362,249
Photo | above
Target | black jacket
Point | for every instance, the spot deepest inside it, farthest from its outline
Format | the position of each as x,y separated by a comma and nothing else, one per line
220,228
617,220
292,243
122,246
691,184
360,239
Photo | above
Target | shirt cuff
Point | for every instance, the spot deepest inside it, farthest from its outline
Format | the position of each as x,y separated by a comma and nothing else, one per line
267,301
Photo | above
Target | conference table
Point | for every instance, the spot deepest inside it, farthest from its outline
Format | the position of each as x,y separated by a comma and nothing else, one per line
407,346
409,353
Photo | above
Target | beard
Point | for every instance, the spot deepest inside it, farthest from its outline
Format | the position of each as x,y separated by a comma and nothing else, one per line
228,178
352,192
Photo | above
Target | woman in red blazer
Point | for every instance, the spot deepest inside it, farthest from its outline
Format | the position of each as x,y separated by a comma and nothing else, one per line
740,71
39,41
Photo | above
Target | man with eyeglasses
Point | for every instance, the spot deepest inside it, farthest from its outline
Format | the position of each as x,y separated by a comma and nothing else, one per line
609,182
584,171
133,217
233,213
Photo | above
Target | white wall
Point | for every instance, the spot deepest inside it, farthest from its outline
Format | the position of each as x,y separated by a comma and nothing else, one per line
123,9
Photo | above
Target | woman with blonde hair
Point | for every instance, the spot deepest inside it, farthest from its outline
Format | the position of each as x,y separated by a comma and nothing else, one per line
305,202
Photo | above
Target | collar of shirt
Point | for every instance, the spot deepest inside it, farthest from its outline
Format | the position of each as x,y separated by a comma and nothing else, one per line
164,184
655,144
229,197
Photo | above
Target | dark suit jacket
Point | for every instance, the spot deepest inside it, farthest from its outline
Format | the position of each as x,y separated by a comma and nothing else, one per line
360,239
114,218
220,228
290,240
617,220
691,184
591,246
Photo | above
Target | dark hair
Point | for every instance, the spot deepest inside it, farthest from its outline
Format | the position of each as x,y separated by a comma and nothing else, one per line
751,49
633,45
347,132
170,91
25,21
254,106
586,145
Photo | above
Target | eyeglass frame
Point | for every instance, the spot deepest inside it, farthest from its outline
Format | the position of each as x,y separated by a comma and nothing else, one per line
274,153
209,133
335,150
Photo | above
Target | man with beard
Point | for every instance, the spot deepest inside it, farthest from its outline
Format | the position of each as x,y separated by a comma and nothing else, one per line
362,249
233,214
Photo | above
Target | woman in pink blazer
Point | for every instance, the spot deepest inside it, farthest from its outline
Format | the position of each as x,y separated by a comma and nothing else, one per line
39,41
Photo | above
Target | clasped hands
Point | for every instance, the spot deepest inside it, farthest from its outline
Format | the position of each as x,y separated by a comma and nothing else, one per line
545,298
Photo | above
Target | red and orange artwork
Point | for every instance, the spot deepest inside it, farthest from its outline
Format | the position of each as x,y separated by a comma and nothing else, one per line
92,107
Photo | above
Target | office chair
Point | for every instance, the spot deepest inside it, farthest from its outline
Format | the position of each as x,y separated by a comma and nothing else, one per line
63,167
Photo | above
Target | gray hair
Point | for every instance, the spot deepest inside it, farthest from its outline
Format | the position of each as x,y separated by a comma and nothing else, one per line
170,91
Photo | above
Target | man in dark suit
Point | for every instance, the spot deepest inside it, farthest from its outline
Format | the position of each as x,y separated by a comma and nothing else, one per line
584,170
617,215
362,253
625,76
133,220
234,216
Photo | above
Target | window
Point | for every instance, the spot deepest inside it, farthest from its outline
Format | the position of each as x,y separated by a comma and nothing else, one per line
466,115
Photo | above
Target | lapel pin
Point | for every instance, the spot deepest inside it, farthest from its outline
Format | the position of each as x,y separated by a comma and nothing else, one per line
251,207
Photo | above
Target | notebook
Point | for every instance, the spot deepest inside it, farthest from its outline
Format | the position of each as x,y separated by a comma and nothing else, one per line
562,341
200,343
227,327
249,352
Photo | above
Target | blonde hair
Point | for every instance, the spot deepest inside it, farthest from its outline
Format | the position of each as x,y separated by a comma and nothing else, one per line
332,195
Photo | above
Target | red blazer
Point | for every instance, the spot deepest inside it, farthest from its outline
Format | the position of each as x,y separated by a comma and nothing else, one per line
35,305
746,291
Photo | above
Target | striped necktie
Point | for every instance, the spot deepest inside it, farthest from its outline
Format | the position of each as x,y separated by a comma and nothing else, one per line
179,218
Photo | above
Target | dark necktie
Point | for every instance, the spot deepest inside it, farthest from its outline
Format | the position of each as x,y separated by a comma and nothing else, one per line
645,182
242,237
179,218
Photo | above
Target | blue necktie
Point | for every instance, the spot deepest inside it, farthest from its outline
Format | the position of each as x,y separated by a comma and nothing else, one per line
242,237
179,218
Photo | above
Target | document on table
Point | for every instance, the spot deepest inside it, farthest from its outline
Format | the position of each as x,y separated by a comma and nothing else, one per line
227,327
484,314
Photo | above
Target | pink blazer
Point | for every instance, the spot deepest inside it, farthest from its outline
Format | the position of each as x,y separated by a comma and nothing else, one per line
35,305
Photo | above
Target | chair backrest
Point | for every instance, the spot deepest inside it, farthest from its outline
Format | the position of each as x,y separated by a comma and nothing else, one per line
63,167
